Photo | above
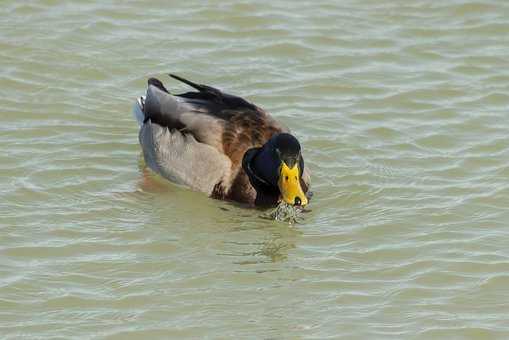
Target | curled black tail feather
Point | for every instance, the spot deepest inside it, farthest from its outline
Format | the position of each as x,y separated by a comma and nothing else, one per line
157,83
214,95
188,82
200,87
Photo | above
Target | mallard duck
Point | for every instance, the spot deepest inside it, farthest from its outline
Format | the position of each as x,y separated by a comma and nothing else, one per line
220,144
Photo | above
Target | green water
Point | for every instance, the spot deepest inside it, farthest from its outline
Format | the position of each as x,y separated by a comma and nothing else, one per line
402,110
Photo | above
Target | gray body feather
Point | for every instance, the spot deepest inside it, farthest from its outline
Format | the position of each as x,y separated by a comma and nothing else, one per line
181,159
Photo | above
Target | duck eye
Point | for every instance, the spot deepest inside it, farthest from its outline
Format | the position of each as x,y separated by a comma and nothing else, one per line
286,178
295,177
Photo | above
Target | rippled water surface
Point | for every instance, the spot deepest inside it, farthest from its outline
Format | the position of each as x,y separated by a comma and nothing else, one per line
401,106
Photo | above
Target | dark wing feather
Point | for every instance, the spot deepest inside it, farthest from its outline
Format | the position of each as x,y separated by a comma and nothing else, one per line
245,124
217,101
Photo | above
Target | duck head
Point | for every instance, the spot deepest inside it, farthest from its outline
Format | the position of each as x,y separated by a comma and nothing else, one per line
277,167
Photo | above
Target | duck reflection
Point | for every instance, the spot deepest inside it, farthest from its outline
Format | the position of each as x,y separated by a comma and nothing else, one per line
277,240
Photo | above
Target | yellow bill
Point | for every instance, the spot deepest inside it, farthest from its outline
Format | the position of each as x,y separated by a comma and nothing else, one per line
289,185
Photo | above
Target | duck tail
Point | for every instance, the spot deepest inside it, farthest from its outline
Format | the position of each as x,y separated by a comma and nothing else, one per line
138,110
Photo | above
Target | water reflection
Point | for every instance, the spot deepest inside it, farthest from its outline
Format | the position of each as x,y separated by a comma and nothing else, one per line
272,242
252,239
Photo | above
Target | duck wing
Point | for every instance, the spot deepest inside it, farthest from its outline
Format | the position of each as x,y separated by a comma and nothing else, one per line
211,116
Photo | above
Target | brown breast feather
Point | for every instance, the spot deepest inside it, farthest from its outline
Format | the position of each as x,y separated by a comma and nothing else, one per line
243,130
